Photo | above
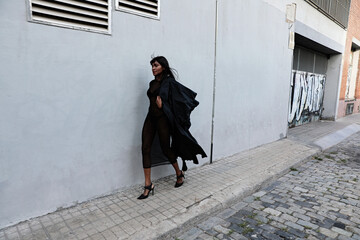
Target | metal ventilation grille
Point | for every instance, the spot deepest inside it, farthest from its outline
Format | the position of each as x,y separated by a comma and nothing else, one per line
82,14
336,10
149,8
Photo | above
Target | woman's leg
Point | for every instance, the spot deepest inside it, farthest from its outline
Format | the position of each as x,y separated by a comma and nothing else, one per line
163,128
147,174
148,134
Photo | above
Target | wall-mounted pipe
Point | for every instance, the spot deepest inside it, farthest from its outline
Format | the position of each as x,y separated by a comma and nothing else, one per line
214,81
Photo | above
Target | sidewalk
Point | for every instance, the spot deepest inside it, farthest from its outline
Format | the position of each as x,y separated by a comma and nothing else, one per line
207,190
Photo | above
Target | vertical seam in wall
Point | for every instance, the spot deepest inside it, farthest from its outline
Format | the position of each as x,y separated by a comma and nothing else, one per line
291,74
214,82
338,87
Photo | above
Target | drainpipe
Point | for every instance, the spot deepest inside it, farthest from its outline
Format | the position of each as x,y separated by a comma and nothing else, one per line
214,81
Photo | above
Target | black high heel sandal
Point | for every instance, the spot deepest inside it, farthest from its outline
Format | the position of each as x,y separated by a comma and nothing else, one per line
151,188
178,177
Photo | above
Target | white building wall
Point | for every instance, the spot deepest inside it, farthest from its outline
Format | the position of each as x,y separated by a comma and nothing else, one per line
253,76
72,103
311,17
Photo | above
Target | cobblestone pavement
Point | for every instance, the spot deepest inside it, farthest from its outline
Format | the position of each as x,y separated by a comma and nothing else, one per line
318,200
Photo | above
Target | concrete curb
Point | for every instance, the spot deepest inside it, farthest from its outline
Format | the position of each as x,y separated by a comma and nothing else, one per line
336,137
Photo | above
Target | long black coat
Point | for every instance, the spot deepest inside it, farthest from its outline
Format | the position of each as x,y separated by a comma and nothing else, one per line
178,102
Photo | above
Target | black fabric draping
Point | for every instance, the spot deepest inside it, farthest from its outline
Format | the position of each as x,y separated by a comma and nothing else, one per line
178,102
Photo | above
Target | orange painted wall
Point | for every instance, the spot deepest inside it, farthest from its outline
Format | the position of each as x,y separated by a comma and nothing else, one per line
353,31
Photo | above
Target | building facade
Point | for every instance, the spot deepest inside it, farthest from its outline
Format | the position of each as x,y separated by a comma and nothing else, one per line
349,101
74,77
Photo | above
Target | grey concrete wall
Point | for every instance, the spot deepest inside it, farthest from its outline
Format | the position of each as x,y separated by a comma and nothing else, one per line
332,87
253,76
72,103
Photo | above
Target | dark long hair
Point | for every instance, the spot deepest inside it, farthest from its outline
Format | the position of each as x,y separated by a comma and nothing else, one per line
168,71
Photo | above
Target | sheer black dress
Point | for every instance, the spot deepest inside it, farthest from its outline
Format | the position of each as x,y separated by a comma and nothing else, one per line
156,123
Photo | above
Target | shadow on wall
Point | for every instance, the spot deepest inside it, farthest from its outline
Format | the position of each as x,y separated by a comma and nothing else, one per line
134,170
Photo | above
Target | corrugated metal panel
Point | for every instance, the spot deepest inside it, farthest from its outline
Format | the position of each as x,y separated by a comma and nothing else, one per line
148,8
82,14
309,61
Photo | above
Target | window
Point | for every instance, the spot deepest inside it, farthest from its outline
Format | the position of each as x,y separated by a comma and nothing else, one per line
349,108
90,15
352,75
146,8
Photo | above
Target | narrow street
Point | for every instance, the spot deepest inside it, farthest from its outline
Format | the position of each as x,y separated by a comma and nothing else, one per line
318,200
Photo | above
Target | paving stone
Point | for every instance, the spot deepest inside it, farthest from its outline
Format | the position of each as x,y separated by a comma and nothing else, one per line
249,199
211,222
300,189
284,210
270,235
296,232
341,231
301,216
242,213
355,230
328,233
239,205
272,211
326,223
223,236
237,236
238,228
226,213
307,224
285,235
314,215
205,236
221,229
235,220
191,234
288,217
259,194
297,209
211,232
342,237
304,204
294,225
356,237
339,225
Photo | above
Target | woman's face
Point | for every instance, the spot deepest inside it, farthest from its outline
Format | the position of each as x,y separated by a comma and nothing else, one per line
157,69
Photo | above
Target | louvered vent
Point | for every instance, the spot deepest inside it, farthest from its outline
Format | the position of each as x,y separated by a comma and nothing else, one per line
90,15
148,8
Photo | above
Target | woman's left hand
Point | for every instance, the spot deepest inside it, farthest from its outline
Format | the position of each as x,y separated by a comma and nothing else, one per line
158,102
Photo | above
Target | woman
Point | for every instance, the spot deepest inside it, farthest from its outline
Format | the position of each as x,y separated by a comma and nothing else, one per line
169,116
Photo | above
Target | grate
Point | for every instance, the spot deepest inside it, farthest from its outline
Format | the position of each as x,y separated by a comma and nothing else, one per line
92,15
147,8
336,10
349,108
